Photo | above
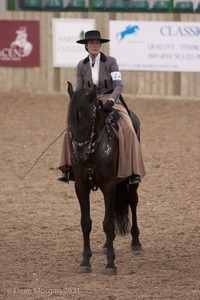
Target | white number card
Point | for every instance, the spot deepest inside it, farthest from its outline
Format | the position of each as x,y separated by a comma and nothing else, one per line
116,76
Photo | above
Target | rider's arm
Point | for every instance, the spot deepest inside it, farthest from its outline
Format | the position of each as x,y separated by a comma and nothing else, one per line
116,79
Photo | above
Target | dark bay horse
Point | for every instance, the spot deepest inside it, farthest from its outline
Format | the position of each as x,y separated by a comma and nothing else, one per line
94,148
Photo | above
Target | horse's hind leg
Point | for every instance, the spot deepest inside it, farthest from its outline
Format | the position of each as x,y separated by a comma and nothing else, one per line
86,225
133,201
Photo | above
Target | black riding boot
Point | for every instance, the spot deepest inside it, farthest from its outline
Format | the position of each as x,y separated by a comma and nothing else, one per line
67,176
134,179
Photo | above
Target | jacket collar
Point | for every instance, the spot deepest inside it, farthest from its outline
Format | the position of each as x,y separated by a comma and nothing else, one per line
102,58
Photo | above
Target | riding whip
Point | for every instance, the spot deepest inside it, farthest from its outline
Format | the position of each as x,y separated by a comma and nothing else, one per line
42,154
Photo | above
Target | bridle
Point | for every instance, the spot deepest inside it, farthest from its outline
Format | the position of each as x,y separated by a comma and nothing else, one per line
92,144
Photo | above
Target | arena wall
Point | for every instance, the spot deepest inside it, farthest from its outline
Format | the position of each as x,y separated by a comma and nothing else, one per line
46,78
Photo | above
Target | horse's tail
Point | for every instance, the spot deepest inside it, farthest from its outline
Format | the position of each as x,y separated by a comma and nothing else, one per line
121,210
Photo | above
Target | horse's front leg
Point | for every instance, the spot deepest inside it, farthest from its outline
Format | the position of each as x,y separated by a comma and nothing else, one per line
86,225
108,225
133,196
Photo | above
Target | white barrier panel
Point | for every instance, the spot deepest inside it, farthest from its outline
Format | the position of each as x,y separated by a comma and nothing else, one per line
156,46
66,52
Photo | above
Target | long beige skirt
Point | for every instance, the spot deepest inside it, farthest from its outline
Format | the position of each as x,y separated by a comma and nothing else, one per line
130,156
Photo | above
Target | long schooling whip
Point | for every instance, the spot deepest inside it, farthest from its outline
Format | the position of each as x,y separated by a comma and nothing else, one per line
42,154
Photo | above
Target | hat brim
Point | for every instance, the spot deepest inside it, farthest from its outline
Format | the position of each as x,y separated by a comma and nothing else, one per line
84,41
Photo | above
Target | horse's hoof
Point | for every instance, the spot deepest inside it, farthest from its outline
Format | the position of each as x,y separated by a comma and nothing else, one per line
84,269
136,247
104,251
110,271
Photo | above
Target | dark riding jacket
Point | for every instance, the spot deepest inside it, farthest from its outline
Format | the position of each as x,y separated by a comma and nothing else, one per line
106,84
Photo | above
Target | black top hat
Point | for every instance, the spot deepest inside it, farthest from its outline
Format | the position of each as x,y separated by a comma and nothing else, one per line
92,35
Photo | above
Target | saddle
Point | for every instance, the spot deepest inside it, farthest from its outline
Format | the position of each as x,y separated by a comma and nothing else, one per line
111,121
114,116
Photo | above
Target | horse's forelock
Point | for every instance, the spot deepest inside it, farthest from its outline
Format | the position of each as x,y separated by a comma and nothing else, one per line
79,104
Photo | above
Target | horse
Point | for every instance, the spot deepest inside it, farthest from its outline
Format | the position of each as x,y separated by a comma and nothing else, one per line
94,151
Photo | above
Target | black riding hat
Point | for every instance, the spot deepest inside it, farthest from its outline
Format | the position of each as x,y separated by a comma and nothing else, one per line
92,35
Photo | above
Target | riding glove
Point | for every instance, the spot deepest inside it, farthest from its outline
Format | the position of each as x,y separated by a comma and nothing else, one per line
108,105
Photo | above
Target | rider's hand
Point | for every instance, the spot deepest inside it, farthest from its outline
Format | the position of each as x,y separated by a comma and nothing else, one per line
108,105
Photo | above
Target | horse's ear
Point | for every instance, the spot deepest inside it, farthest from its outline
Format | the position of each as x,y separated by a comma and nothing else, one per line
70,89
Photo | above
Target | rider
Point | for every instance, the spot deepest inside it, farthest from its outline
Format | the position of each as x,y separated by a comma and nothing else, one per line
102,71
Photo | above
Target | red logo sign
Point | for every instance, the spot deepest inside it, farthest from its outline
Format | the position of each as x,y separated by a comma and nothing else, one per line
19,43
